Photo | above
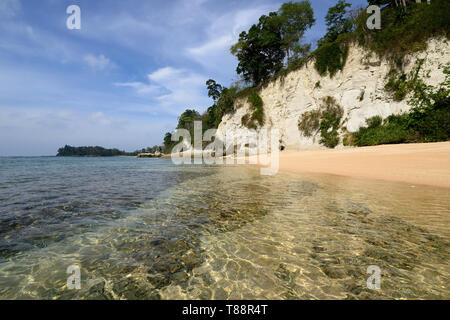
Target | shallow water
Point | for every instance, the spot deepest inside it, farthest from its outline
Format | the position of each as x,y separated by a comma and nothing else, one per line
145,229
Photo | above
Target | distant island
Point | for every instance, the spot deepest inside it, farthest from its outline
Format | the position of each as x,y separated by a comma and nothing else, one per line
69,151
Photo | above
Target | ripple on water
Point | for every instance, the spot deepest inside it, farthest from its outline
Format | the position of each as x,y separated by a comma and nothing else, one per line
229,233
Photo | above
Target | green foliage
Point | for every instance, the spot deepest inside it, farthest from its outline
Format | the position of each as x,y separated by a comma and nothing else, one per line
225,104
210,118
168,143
428,121
255,100
257,117
245,92
214,89
331,57
309,122
332,52
404,30
374,122
401,85
327,120
187,119
348,139
398,87
330,123
337,21
296,18
260,50
392,130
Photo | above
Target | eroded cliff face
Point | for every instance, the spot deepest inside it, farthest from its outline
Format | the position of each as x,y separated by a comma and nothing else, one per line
358,89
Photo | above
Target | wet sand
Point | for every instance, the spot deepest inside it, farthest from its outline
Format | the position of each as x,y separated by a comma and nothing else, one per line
424,163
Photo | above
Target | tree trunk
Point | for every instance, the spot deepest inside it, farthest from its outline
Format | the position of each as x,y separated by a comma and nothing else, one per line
287,57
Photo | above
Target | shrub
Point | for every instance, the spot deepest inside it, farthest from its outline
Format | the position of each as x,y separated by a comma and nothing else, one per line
327,119
349,139
331,57
374,122
309,122
428,120
257,117
330,124
225,104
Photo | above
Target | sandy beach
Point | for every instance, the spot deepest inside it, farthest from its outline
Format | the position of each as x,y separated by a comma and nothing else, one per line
424,163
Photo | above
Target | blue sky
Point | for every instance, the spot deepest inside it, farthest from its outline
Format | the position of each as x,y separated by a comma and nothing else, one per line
123,79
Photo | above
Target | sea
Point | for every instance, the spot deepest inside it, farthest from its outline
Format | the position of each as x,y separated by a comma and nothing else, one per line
128,228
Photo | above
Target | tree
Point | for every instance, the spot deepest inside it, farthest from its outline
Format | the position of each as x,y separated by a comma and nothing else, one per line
168,143
295,19
187,118
214,89
210,118
260,50
337,21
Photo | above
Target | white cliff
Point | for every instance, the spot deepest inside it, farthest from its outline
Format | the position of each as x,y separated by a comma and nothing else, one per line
359,89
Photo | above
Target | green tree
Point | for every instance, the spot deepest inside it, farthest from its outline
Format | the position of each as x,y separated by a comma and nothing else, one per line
260,50
214,89
295,19
187,118
168,143
337,21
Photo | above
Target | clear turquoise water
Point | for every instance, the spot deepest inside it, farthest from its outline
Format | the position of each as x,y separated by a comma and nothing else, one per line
146,229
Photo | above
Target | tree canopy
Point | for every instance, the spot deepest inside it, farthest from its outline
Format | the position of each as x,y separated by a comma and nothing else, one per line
295,19
214,89
260,50
337,21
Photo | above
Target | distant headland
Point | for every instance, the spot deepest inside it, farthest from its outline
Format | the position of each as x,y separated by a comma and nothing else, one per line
70,151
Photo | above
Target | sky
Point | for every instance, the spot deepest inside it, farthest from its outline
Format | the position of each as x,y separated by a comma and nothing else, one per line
123,79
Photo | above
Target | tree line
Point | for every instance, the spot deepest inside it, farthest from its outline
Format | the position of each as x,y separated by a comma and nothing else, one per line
69,151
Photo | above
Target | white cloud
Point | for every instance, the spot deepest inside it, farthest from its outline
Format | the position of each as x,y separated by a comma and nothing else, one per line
212,46
165,74
140,87
173,89
213,53
99,62
100,118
